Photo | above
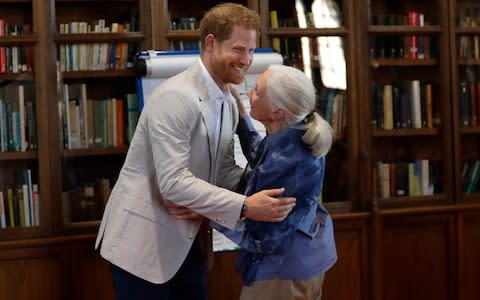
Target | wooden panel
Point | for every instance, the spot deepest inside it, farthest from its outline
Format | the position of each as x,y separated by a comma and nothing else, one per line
30,273
347,279
91,275
469,256
416,258
223,281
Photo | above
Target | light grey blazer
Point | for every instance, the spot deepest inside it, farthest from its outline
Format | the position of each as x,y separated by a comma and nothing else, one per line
171,157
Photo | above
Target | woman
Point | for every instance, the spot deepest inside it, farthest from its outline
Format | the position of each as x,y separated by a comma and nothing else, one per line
285,260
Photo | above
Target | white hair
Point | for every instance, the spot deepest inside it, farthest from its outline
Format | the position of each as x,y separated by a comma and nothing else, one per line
291,90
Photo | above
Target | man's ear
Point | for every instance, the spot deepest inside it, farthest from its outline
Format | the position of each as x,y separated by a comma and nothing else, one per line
209,42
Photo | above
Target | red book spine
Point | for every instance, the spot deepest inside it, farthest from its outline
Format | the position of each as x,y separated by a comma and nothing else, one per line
412,40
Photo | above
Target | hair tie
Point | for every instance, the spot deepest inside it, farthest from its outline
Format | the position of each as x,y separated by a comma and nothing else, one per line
308,118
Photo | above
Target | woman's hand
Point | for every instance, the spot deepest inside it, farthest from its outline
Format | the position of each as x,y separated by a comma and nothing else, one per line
236,95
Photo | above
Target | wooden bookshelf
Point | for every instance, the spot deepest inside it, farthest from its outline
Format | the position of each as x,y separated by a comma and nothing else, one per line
410,234
464,43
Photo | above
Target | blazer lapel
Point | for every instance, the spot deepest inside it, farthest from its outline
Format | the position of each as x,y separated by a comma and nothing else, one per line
209,121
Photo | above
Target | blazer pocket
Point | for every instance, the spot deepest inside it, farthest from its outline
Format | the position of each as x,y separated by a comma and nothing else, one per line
147,211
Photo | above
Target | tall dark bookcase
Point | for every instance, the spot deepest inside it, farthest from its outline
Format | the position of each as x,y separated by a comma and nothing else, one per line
398,81
406,104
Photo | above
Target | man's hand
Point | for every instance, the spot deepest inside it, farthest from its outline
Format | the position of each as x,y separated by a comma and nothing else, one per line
263,207
181,212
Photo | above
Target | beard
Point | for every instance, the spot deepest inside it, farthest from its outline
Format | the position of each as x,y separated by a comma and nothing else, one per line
228,73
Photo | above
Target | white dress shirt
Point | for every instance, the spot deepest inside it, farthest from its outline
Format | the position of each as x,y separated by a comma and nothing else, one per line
218,97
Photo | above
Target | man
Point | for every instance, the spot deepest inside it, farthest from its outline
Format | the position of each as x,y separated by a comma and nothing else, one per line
181,156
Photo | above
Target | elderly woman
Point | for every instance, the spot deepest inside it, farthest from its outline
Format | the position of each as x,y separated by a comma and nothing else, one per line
285,260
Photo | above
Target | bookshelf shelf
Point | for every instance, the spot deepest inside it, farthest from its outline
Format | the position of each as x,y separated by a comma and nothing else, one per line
183,35
133,37
468,62
21,76
467,30
402,62
406,132
82,225
470,130
472,198
94,152
21,40
99,74
403,30
15,1
308,32
411,201
27,155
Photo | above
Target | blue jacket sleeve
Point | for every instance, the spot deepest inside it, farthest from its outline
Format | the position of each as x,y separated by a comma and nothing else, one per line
249,139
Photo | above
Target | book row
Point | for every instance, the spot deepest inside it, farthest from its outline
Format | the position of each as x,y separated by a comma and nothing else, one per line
9,29
20,203
468,14
419,177
96,56
404,47
128,24
332,106
18,129
16,59
89,123
86,202
470,103
318,15
406,104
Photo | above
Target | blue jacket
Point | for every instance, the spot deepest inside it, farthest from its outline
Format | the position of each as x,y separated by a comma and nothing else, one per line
301,246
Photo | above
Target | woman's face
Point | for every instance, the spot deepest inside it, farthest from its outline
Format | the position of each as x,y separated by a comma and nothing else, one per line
261,109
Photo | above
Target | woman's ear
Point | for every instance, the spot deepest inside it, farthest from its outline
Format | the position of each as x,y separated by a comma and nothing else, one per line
279,114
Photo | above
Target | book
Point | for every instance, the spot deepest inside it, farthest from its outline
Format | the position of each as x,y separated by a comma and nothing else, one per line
3,216
464,104
472,85
388,106
36,204
15,95
77,99
120,125
428,105
473,179
412,40
416,106
132,115
274,24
